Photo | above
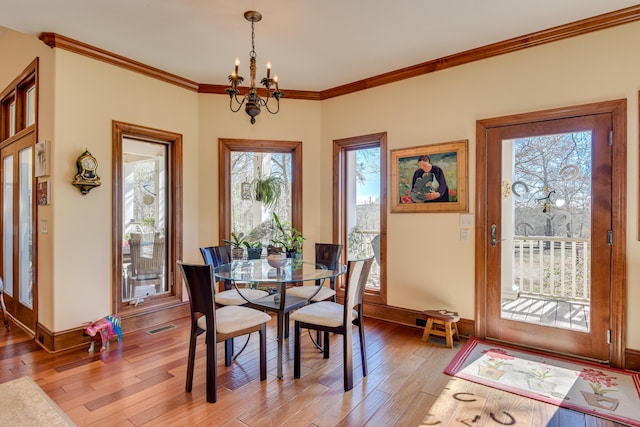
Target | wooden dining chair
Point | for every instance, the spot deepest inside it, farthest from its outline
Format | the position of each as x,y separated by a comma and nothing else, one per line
327,254
216,256
218,324
328,316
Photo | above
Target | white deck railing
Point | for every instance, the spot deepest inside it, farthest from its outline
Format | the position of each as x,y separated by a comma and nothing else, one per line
556,267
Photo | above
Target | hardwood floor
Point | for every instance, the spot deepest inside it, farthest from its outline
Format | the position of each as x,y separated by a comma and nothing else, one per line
140,382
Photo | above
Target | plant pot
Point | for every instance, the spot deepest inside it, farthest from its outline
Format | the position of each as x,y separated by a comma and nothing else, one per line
600,401
489,372
237,253
294,254
254,253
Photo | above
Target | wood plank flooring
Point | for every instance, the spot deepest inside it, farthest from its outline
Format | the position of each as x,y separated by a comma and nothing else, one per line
140,382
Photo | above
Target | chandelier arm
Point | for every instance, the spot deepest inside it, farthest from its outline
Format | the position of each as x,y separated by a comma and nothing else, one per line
266,105
238,103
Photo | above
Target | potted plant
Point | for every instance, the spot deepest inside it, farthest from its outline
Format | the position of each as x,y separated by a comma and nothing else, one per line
267,190
237,242
254,249
290,238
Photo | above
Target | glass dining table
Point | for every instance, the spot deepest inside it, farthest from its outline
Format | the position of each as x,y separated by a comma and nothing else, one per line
260,274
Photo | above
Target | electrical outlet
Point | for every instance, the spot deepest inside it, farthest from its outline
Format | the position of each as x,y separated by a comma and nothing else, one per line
421,322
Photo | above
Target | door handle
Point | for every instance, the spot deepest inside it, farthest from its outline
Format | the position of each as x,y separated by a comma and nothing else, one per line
494,240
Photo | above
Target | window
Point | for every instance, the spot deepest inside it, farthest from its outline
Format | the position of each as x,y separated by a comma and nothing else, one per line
240,162
251,218
147,213
360,202
18,103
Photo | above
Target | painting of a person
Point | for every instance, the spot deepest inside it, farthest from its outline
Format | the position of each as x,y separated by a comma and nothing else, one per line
429,183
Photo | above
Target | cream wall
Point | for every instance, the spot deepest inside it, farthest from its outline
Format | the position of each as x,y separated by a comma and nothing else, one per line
444,106
89,96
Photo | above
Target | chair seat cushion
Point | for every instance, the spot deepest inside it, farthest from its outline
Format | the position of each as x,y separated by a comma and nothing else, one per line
235,318
306,292
232,297
324,313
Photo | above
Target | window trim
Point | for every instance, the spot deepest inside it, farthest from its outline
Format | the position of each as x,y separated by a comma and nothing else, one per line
226,146
340,149
17,92
174,223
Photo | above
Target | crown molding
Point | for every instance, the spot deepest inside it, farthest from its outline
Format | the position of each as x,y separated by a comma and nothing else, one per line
561,32
56,40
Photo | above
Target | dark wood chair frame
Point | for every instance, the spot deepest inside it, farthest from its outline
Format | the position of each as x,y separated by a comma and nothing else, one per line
344,329
216,256
200,286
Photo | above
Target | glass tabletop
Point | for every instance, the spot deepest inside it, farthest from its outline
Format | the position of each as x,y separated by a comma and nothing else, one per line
259,271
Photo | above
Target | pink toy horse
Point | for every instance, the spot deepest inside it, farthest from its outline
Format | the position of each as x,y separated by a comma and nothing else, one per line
108,327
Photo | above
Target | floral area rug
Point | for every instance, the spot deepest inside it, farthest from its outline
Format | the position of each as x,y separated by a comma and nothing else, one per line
589,388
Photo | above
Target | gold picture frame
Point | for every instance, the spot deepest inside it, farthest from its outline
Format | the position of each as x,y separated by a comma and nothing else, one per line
410,194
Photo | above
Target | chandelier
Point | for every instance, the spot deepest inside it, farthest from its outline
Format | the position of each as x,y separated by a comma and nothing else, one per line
252,101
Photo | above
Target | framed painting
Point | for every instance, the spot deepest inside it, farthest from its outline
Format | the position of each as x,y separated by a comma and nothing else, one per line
42,159
430,178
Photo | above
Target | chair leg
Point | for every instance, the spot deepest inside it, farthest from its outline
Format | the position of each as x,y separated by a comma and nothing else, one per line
191,360
325,345
228,351
263,352
427,330
347,342
296,349
286,325
212,368
363,348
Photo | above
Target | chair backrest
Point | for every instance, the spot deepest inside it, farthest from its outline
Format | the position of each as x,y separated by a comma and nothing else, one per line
199,281
215,256
357,275
328,254
147,255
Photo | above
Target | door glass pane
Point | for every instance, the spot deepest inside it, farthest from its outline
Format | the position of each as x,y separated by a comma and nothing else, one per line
252,219
7,223
145,219
546,230
12,119
25,229
31,105
363,209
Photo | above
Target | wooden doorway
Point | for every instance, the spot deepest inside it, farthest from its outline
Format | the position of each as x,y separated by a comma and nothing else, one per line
502,270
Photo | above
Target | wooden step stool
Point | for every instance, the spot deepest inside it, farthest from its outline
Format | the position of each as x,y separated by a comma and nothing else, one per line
442,323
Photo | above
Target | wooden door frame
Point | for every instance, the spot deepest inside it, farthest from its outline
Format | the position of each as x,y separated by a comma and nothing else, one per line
618,110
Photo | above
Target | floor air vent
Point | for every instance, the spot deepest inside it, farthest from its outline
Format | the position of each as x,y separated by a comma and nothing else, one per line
160,329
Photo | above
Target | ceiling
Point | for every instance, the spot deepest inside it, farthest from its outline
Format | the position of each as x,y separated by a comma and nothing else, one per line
312,45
